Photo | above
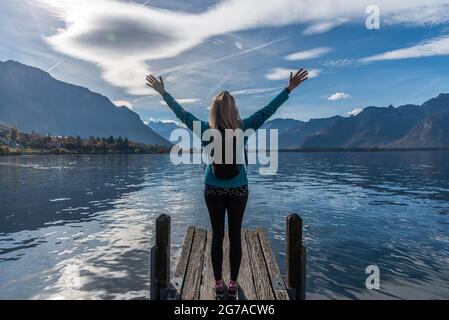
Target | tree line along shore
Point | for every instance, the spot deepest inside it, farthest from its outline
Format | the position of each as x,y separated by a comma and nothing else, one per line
14,142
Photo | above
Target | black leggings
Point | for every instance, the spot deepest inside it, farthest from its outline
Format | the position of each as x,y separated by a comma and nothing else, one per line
235,206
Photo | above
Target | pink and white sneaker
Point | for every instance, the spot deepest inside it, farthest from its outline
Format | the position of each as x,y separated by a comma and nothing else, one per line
233,289
219,289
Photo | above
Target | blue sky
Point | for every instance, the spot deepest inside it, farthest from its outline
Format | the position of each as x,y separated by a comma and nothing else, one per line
244,46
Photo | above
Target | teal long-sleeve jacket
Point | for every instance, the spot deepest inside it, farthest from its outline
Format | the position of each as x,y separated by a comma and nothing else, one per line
255,121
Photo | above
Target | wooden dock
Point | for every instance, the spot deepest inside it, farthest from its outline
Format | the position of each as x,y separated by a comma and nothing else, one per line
260,277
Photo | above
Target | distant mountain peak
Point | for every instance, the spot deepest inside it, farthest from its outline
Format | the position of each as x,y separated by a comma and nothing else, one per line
407,126
438,104
14,62
22,67
36,102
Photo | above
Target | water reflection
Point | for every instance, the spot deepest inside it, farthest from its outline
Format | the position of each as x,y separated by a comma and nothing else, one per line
42,191
92,217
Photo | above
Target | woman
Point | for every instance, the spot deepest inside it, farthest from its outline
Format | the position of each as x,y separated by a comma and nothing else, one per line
227,194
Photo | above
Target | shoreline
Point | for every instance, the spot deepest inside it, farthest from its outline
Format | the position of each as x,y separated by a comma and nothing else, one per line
317,150
36,152
364,149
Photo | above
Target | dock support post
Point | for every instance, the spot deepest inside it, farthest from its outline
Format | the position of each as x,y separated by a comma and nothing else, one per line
160,258
296,257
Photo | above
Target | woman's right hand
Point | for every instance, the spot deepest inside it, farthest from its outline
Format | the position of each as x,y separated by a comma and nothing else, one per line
157,85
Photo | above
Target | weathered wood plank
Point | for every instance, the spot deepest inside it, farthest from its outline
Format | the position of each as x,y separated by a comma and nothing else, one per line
185,254
207,282
272,266
176,284
246,281
261,277
192,281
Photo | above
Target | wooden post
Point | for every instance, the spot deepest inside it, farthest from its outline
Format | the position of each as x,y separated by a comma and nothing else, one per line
296,256
301,288
162,256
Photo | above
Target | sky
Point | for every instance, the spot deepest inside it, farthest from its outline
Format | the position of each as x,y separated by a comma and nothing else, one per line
247,47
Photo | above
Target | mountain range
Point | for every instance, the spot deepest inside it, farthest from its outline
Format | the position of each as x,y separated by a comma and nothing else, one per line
404,127
36,102
407,126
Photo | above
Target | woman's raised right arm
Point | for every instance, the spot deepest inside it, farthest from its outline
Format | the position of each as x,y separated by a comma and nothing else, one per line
186,117
256,120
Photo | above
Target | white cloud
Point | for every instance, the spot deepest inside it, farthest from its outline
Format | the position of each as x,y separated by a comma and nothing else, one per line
434,47
354,112
121,103
323,27
338,96
313,73
183,101
122,37
308,54
428,13
284,74
253,91
279,74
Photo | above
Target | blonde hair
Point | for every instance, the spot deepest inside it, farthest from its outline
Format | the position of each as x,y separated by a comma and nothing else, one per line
224,113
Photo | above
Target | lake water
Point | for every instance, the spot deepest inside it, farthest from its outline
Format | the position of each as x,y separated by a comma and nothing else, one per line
61,216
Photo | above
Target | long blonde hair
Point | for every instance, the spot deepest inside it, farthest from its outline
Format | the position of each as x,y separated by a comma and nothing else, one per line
224,113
